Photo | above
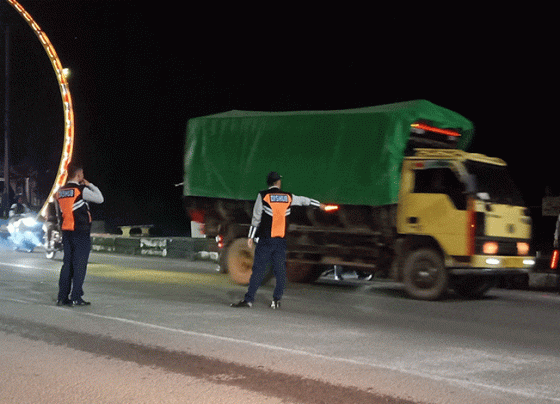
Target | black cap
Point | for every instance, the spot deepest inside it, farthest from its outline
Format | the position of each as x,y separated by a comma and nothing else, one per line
272,177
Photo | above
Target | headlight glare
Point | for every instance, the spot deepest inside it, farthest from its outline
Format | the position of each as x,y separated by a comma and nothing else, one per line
522,248
490,248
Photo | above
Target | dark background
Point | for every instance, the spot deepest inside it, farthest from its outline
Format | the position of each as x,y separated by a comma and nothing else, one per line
140,70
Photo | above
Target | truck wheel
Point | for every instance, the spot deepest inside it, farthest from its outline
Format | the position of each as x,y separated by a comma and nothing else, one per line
302,273
242,260
238,261
424,275
473,286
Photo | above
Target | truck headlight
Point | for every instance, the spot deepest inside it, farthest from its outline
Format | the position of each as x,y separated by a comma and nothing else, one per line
522,248
490,248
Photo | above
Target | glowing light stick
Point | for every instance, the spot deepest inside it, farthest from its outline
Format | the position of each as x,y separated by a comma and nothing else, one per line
331,208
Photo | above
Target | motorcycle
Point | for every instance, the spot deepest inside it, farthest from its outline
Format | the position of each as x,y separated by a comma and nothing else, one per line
26,232
53,240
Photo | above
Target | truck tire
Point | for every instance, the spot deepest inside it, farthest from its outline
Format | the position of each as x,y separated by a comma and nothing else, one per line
424,275
302,273
238,261
473,286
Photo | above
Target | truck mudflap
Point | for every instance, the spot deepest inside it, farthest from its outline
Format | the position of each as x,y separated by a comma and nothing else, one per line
495,265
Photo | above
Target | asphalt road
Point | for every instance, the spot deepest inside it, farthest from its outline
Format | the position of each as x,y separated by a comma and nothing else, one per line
161,331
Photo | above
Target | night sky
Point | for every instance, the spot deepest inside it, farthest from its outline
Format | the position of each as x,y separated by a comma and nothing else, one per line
140,70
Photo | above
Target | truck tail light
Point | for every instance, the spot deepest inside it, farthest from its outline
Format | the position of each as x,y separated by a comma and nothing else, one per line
220,241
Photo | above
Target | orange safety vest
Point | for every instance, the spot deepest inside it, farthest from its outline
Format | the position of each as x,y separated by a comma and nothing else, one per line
73,208
276,207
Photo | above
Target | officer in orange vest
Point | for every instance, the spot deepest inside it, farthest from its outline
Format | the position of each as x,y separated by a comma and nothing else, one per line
75,222
269,224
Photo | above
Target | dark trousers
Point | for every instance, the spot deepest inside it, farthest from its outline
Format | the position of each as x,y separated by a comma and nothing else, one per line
77,246
271,250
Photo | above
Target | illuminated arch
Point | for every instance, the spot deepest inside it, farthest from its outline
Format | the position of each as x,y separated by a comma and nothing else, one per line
68,145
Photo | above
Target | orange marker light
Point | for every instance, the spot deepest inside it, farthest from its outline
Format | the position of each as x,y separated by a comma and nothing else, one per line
447,132
554,259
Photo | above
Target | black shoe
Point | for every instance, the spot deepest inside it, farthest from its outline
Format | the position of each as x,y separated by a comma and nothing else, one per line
275,304
242,303
80,302
64,302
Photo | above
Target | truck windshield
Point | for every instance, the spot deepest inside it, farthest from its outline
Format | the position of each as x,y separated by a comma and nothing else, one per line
493,183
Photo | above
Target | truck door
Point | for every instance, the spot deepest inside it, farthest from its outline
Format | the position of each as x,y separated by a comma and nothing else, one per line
436,206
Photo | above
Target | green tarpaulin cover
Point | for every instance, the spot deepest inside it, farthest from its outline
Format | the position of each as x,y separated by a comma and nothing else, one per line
347,156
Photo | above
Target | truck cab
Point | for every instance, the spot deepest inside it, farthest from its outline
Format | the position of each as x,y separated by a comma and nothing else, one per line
461,221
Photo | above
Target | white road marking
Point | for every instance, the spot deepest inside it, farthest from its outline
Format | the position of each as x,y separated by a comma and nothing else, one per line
27,266
463,383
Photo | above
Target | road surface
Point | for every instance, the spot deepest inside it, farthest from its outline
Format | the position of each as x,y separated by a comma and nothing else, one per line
161,331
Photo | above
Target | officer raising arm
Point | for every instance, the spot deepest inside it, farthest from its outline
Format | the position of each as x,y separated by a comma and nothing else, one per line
269,224
75,220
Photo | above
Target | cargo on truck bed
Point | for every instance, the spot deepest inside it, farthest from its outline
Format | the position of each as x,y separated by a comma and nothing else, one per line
348,156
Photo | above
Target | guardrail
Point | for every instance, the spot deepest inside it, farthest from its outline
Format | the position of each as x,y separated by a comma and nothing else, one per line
172,247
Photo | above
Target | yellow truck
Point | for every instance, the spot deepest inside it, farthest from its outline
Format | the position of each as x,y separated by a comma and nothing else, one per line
412,204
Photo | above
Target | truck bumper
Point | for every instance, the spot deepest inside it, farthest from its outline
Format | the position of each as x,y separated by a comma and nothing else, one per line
495,265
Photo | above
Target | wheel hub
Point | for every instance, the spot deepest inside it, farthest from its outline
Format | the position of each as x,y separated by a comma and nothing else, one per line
425,275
